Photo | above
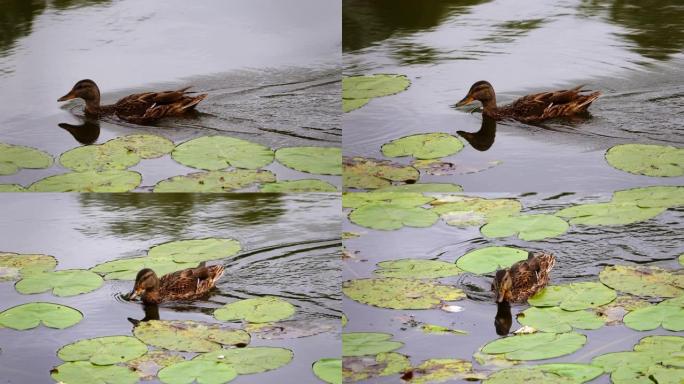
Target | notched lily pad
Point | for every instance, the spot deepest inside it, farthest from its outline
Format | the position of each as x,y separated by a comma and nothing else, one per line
31,315
440,330
573,297
196,250
199,371
256,310
417,269
463,211
643,280
392,216
83,182
99,158
213,153
650,197
367,173
608,213
526,227
11,187
13,265
368,343
68,282
554,319
436,167
145,146
399,293
440,370
83,372
328,370
614,312
647,159
127,269
489,259
148,365
558,373
250,360
15,157
214,182
358,90
536,346
356,368
423,146
298,186
669,315
188,336
318,160
106,350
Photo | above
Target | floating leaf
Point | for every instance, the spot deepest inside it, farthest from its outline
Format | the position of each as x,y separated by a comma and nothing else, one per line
559,373
358,90
368,343
256,310
349,105
30,315
647,159
148,365
127,269
200,371
526,227
250,359
318,160
391,216
366,173
423,146
573,297
536,346
214,153
68,282
649,197
404,199
356,368
83,372
99,158
103,350
436,167
643,280
440,330
398,293
613,312
665,314
298,186
14,157
13,265
214,182
108,182
439,370
11,187
188,336
196,250
344,320
328,370
608,213
465,211
145,146
417,269
554,319
489,259
423,187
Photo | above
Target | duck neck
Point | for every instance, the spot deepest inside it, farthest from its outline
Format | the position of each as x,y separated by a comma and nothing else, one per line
490,103
93,106
151,296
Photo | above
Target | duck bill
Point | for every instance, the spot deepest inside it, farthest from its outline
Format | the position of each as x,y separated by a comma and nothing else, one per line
68,96
133,295
465,101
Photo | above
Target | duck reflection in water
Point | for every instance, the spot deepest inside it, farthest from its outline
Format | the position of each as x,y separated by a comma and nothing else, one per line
503,319
483,139
151,313
86,133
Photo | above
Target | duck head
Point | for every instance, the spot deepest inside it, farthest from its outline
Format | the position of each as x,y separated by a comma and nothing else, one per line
146,286
502,285
481,91
86,90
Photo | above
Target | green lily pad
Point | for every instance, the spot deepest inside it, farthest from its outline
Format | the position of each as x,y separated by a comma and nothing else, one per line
103,350
11,187
652,197
256,310
681,259
489,259
667,315
660,346
213,153
349,105
99,158
199,371
188,336
536,346
148,365
643,280
647,159
291,329
464,211
345,320
318,160
554,319
196,250
652,374
404,199
573,297
13,265
298,186
328,370
15,157
366,173
399,293
608,213
83,372
423,146
357,368
392,216
368,343
614,312
440,370
526,227
68,282
145,146
559,373
31,315
440,330
214,182
127,269
250,359
108,182
358,90
417,269
423,187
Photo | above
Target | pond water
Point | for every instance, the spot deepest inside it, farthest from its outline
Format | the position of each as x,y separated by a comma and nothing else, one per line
270,78
581,253
291,249
629,50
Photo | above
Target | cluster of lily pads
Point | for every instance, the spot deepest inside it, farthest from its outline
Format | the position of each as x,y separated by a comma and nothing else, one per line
227,164
158,348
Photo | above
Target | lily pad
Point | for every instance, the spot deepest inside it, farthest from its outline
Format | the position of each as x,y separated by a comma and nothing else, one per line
250,359
127,269
643,281
368,343
188,336
463,211
392,216
196,250
663,196
298,186
526,227
214,153
356,368
366,173
15,157
148,366
573,297
83,372
665,314
328,370
489,259
13,265
423,146
614,312
358,90
145,146
291,329
536,346
554,319
441,330
318,160
103,350
256,310
31,315
11,187
399,293
404,199
200,371
440,370
349,105
68,282
214,182
423,187
436,167
108,182
417,269
647,159
608,213
559,373
99,158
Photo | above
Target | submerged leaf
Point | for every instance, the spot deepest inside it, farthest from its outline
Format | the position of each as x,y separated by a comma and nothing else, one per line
298,186
404,199
256,310
31,315
423,146
148,365
366,173
643,280
422,187
417,269
465,211
356,368
13,265
399,293
439,370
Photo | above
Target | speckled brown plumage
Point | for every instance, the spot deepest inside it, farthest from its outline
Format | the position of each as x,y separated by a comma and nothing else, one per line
524,278
187,284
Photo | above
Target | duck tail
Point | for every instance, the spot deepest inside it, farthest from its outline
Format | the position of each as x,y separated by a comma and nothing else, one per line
193,102
585,101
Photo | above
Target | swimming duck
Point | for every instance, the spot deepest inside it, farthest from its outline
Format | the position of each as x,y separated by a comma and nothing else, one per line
531,108
524,278
139,108
187,284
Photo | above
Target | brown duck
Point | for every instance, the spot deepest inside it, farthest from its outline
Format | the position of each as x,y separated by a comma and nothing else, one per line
524,278
187,284
531,108
139,108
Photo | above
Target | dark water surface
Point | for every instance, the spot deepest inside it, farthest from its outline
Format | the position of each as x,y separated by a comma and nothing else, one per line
581,254
630,50
291,249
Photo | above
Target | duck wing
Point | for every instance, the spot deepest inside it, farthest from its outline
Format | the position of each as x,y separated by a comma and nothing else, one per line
145,108
189,283
548,105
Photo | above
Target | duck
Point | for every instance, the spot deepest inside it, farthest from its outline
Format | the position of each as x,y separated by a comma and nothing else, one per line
139,108
524,278
533,108
187,284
